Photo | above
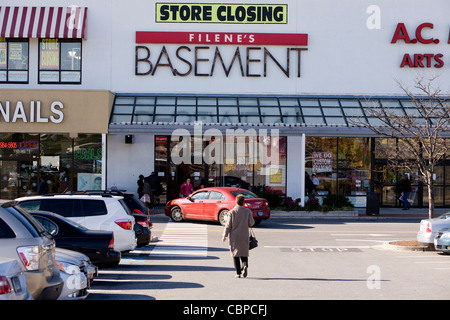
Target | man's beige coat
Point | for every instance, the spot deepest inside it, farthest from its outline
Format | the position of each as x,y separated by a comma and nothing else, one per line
239,220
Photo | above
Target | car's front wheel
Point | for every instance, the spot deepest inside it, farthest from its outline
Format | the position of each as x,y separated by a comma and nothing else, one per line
176,214
223,217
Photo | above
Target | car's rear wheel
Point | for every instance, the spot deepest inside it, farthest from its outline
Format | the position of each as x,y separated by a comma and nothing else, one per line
176,214
223,217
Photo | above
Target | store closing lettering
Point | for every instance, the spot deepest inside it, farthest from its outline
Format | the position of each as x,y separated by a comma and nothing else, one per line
206,61
221,13
32,112
422,36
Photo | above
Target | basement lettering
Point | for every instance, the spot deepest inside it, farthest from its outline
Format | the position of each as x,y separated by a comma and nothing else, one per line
206,61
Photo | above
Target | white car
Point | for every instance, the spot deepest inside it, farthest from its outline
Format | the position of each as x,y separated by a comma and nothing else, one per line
430,227
95,212
77,271
13,285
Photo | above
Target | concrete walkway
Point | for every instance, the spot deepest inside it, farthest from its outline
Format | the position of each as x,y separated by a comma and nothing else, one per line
359,214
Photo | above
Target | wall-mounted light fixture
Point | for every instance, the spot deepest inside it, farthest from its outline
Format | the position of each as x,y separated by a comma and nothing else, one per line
128,138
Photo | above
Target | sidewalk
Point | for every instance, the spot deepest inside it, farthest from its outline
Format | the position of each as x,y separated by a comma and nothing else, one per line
358,214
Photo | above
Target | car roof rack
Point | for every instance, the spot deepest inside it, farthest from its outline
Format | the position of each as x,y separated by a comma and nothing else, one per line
87,193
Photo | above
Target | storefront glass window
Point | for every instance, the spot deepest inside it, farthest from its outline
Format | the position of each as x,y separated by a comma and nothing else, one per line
354,167
18,164
56,162
71,164
60,61
13,60
321,157
87,157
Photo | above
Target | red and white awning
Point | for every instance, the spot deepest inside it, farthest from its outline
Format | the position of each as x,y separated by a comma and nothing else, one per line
43,22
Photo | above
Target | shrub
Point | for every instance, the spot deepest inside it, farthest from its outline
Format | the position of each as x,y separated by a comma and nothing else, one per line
312,205
336,201
290,204
273,197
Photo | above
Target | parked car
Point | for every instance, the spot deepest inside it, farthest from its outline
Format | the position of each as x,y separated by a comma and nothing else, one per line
430,227
140,211
230,181
214,204
442,241
98,245
142,230
22,238
72,266
13,285
95,212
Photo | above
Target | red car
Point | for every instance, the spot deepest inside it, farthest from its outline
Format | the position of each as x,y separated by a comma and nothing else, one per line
214,204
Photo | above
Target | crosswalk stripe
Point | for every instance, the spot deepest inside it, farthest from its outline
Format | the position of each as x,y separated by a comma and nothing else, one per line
182,239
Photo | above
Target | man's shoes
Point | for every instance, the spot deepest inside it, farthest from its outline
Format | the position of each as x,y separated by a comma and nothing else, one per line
237,276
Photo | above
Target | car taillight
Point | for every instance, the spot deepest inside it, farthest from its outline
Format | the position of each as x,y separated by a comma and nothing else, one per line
5,287
29,257
138,211
111,243
125,224
428,229
143,223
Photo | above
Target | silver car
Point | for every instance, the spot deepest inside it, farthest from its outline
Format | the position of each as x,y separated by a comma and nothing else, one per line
442,241
25,240
430,227
13,285
77,272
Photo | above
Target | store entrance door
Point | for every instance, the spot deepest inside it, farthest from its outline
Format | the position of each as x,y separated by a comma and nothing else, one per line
18,178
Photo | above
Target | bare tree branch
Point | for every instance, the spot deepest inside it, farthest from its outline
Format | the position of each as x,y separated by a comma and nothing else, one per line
421,127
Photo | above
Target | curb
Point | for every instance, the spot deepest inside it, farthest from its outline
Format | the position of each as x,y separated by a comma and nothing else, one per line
314,214
392,247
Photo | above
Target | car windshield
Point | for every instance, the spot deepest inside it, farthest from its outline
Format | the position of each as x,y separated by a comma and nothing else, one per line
68,221
445,216
245,193
33,226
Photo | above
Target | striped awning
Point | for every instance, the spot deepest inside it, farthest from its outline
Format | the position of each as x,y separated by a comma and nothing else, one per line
43,22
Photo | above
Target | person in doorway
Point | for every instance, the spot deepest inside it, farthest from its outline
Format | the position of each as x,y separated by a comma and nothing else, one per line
43,186
309,186
186,188
315,182
406,189
147,193
140,184
239,220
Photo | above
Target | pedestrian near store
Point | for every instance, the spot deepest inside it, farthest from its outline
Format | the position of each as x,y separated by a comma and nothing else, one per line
186,188
147,193
406,189
315,181
140,184
239,221
309,186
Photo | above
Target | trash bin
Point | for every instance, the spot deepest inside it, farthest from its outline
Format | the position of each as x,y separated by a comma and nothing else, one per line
373,204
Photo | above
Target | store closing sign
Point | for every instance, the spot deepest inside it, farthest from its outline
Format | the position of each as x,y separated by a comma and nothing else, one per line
221,13
203,54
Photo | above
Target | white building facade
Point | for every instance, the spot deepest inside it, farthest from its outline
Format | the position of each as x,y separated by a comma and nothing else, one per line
139,80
